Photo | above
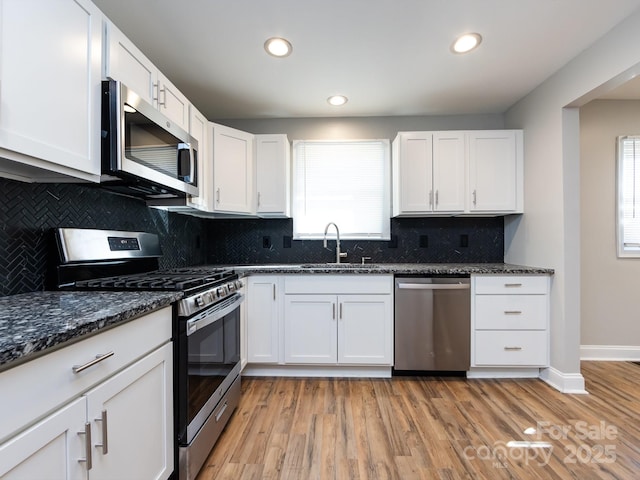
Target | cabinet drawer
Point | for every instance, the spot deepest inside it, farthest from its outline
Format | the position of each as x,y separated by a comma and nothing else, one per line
511,348
511,285
511,312
35,388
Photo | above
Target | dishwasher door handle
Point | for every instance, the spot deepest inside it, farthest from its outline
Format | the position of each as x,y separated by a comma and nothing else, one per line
434,286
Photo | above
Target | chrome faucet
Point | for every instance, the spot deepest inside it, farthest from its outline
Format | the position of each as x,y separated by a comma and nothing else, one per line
339,255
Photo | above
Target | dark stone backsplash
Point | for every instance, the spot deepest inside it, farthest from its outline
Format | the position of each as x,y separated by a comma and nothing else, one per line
442,239
28,213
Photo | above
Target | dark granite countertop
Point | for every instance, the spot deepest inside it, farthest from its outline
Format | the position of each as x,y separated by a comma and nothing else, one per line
397,268
34,323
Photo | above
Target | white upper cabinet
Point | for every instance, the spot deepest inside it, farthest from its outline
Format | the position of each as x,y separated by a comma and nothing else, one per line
126,63
50,60
495,171
233,170
457,173
428,172
199,129
273,175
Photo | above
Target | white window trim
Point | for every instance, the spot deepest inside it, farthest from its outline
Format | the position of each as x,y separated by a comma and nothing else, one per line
385,234
622,250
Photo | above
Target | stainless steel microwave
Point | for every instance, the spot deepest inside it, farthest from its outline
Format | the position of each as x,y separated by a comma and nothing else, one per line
143,152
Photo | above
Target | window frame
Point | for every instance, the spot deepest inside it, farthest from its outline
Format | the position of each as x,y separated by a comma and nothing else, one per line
345,234
622,250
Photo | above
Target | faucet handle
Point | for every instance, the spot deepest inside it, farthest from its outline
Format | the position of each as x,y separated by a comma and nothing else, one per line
343,254
365,259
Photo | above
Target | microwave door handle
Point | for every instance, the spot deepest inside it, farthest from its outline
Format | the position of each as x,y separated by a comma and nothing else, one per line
192,164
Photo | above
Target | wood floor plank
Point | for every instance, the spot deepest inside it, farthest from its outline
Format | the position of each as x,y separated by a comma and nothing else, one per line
432,428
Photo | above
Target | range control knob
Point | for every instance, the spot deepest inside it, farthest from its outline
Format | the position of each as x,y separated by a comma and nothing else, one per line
238,284
231,286
222,291
199,300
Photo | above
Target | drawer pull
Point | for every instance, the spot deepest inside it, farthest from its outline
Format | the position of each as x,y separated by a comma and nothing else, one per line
98,359
512,349
221,412
512,285
513,312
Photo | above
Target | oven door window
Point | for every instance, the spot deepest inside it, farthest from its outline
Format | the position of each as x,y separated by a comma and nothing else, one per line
213,352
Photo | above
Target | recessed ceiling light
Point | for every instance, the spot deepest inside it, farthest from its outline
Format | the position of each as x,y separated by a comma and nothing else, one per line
278,47
467,42
337,100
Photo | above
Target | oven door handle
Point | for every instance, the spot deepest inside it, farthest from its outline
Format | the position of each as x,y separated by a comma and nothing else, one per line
214,314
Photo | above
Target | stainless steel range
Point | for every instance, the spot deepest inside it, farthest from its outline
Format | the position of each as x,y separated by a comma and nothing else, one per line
206,330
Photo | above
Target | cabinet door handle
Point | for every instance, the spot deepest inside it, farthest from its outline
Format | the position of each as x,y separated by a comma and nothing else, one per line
218,195
164,99
513,312
333,315
512,349
475,198
431,198
340,313
274,292
87,442
437,201
512,285
258,199
98,359
105,435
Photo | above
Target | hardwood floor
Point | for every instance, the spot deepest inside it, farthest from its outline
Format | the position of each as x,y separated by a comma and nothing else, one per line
432,428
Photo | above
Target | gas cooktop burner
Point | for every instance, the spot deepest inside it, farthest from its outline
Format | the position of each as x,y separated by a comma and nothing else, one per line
177,279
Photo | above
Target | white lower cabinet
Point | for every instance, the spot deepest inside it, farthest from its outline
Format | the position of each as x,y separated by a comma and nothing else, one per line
121,427
263,322
328,328
510,321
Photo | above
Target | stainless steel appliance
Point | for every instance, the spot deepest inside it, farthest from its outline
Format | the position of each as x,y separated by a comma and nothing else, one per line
206,331
432,324
143,152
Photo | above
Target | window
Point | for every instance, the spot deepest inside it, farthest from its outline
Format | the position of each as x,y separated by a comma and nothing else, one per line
343,181
629,196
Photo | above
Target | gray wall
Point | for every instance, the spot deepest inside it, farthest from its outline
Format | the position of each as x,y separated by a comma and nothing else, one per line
609,285
549,232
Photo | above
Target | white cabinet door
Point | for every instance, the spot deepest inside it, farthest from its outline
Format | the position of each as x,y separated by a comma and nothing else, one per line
126,63
198,129
273,177
51,449
448,172
493,171
172,103
232,170
412,173
310,331
50,72
263,329
132,413
365,329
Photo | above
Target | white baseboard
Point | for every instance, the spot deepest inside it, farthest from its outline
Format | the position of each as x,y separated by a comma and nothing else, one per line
257,370
612,353
565,382
512,372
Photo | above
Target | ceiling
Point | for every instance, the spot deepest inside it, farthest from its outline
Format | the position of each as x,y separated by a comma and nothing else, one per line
389,57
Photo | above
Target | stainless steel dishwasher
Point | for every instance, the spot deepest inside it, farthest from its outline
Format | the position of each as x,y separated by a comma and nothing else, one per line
432,324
